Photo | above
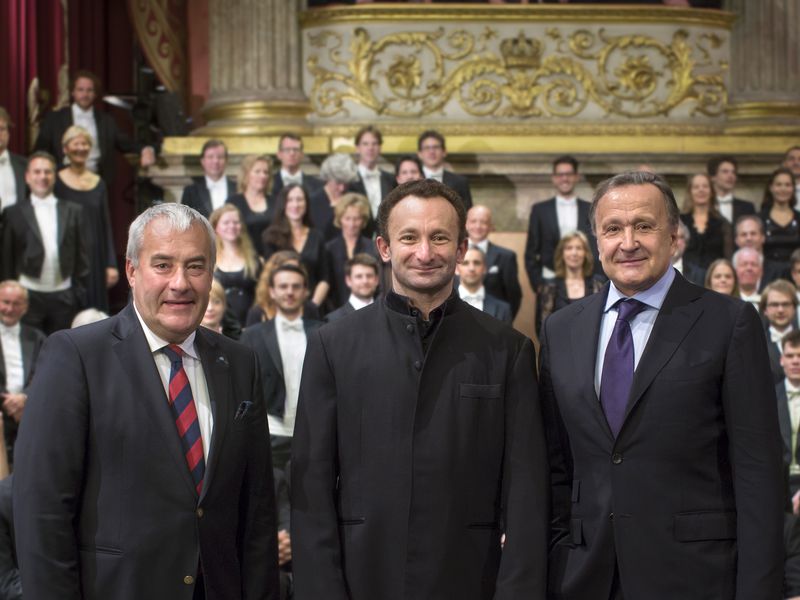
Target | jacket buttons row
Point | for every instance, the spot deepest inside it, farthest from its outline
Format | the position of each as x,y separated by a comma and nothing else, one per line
200,512
616,458
410,328
188,580
417,365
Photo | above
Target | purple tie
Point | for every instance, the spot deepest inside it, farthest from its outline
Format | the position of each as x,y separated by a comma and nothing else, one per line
617,377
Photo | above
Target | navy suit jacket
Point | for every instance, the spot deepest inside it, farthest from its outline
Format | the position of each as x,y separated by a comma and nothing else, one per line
341,312
104,503
19,165
311,183
499,309
501,279
198,197
460,184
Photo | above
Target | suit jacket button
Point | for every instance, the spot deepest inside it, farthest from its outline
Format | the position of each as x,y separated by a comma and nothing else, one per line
410,328
616,458
200,512
188,580
417,365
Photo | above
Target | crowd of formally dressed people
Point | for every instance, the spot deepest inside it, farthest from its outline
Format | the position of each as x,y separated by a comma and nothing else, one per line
293,251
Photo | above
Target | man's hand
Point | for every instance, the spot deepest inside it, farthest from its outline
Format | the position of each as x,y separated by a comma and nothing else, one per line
284,547
112,276
148,157
796,503
14,405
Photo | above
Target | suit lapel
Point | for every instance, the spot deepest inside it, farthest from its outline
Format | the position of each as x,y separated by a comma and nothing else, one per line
142,375
271,341
585,332
61,220
583,217
552,218
491,255
677,316
28,343
205,196
217,373
27,211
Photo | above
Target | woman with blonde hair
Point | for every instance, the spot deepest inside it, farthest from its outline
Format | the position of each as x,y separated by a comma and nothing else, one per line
252,199
238,265
350,217
264,308
76,183
215,311
711,235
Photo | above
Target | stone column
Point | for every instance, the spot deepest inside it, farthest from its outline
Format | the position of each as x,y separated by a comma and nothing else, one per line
765,63
255,68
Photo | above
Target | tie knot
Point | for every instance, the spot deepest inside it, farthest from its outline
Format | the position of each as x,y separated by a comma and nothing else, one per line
629,308
173,352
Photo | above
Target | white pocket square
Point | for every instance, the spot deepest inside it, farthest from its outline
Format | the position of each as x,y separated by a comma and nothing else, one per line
494,269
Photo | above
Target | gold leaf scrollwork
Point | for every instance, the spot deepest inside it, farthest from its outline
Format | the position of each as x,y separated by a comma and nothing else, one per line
414,74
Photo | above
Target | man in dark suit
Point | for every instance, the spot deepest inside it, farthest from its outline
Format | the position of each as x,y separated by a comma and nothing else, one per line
723,171
207,193
143,463
551,219
787,391
418,440
689,270
290,154
749,266
661,424
84,89
471,289
778,305
432,151
750,234
361,276
19,349
372,182
43,249
12,166
501,280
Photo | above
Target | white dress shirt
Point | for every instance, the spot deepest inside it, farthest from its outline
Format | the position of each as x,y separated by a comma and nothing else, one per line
726,206
287,178
194,373
641,325
754,298
358,303
86,119
678,265
47,219
292,344
12,357
372,183
473,299
218,190
776,337
438,175
793,398
482,246
8,184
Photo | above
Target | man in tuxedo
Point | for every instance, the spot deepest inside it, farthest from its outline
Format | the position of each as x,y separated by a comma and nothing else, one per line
779,306
749,266
501,280
787,391
689,270
372,182
749,233
472,290
432,151
661,424
290,154
84,88
43,249
143,463
19,348
791,160
418,441
207,193
12,166
361,276
551,219
723,171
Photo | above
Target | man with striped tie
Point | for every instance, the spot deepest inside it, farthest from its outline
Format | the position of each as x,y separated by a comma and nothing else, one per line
143,467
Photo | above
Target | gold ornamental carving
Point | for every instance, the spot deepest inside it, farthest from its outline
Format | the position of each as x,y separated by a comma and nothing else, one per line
557,75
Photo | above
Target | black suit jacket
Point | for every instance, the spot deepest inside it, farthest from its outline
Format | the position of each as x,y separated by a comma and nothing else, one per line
499,309
341,312
23,249
104,504
460,184
501,279
110,138
694,273
741,208
10,582
688,499
311,183
388,183
198,197
19,165
263,339
544,235
785,423
337,257
406,469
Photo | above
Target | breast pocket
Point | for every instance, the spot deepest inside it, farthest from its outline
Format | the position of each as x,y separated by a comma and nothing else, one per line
493,391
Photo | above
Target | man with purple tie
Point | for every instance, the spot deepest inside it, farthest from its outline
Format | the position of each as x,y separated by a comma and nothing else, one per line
661,422
143,464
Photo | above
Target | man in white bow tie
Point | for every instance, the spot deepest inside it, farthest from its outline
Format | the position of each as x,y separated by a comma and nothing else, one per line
723,171
432,151
374,183
290,154
471,273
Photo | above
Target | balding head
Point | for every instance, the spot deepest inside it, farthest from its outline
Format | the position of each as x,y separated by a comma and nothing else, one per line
479,223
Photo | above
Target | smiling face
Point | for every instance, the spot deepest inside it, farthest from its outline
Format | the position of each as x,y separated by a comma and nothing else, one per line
725,179
722,279
258,177
77,149
172,282
83,92
472,269
352,222
288,292
750,235
13,304
423,247
700,190
432,153
40,176
634,236
362,281
574,254
408,171
748,269
779,310
229,226
214,162
479,223
295,205
369,149
782,189
564,179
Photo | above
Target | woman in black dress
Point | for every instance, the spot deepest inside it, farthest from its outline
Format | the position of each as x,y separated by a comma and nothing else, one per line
292,230
711,235
575,279
252,200
781,218
238,265
352,214
76,183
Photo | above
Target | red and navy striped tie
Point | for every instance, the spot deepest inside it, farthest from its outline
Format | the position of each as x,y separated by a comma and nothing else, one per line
185,414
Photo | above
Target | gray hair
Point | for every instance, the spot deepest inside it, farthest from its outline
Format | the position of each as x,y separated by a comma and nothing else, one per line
339,167
636,178
746,250
687,235
15,285
181,218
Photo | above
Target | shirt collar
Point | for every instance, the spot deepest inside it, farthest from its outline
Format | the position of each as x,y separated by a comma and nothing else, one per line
653,296
566,201
402,304
210,183
4,157
483,245
78,111
465,293
368,172
280,320
358,303
49,200
726,199
790,389
10,331
156,343
285,175
429,174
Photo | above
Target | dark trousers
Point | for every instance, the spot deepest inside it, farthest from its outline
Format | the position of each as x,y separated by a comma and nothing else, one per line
51,311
